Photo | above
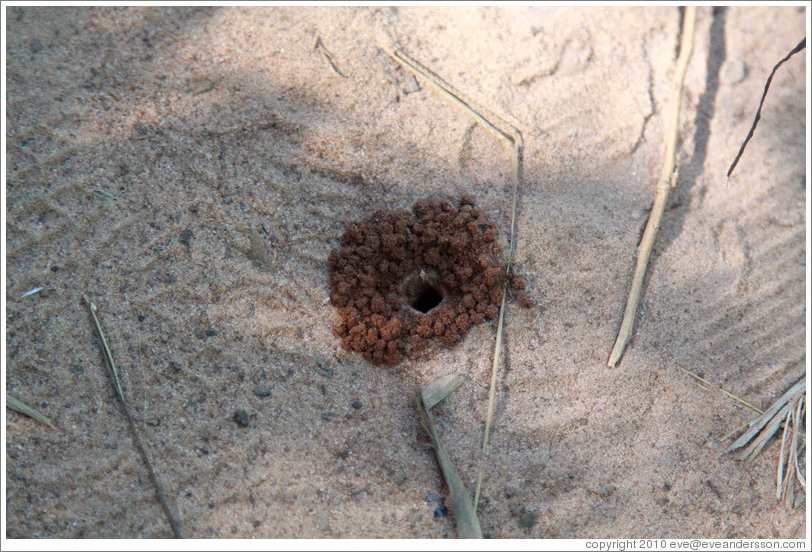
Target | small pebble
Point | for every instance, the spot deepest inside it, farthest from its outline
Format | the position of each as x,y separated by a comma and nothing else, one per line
55,268
242,418
186,237
201,87
264,391
357,404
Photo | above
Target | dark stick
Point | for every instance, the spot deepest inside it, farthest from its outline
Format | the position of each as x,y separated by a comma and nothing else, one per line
801,45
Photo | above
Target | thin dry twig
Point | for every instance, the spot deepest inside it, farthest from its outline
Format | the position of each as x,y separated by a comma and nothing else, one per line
663,187
173,522
508,132
801,45
328,56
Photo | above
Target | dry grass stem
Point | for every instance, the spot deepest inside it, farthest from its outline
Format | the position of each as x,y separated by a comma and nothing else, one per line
173,522
508,132
663,187
789,410
767,424
709,385
788,464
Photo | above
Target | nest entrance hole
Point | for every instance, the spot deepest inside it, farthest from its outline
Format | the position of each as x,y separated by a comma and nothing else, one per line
427,298
422,292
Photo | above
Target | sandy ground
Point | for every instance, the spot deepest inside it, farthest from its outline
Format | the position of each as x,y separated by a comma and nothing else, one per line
191,169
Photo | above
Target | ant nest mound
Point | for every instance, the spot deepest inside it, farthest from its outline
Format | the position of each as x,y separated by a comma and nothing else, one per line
403,280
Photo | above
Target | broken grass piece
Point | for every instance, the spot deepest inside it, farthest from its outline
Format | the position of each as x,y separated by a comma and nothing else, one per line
106,195
328,56
31,292
440,388
766,425
461,505
795,417
22,408
788,410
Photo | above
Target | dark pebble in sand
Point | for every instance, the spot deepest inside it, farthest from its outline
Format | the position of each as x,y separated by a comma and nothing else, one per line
528,519
186,237
242,418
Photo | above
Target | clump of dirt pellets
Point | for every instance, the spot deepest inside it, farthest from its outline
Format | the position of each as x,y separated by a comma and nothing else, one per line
403,281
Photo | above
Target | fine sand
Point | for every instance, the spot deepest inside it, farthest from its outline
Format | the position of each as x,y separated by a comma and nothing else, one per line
190,170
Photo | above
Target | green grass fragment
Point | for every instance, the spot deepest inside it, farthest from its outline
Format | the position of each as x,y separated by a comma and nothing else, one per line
461,505
440,388
22,408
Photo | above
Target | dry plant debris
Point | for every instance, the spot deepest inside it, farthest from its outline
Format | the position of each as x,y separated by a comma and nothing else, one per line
402,280
511,135
788,410
801,45
177,529
464,510
664,184
22,408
